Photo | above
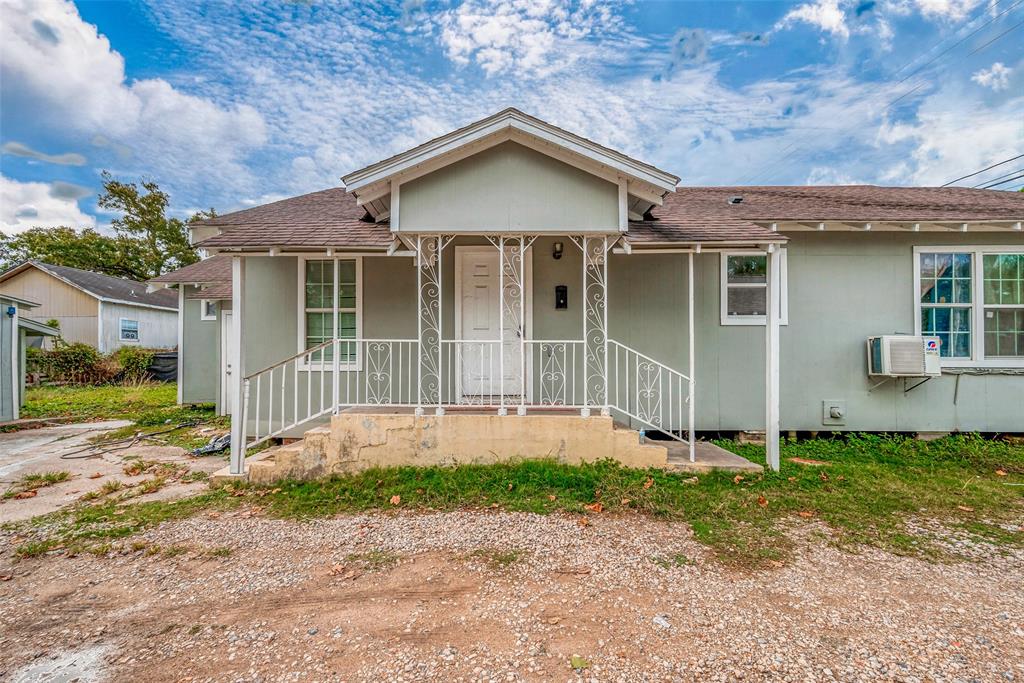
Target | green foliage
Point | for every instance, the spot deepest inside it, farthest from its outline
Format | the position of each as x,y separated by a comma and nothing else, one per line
134,362
106,402
146,242
75,363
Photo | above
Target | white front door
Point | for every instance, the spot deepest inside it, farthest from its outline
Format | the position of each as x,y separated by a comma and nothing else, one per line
226,395
480,319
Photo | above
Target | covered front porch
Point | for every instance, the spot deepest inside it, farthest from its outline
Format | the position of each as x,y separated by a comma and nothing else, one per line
500,324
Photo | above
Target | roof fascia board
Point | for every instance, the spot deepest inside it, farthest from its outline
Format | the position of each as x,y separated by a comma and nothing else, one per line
510,120
843,225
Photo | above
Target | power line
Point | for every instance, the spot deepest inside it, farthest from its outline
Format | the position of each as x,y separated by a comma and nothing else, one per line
1003,182
917,71
987,168
999,177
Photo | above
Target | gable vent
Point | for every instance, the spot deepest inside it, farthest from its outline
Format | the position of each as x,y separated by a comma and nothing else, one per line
735,200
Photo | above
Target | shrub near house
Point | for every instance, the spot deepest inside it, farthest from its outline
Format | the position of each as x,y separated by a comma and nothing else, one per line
82,364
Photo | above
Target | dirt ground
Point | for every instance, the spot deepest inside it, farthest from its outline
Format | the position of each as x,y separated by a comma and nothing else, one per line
493,596
39,450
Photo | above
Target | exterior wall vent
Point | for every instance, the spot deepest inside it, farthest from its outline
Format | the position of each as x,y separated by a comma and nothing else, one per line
735,200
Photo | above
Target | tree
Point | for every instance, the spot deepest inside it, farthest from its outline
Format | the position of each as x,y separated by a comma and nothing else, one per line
146,242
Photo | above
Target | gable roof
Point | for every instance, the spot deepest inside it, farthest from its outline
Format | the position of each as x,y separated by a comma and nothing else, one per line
212,276
854,203
328,218
511,120
102,287
37,329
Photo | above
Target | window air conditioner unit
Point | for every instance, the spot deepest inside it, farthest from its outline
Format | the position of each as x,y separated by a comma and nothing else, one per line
899,355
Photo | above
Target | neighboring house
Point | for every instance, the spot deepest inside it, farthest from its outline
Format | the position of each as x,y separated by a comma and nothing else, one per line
513,267
204,330
17,332
99,310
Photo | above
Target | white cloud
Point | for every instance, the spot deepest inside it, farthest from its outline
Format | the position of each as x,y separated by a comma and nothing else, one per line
946,9
996,77
825,14
21,150
62,72
30,205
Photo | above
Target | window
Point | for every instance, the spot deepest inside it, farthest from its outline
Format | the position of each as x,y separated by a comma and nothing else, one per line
129,330
208,309
318,310
745,285
972,299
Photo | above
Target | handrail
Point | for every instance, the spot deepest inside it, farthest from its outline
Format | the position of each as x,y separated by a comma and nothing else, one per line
649,391
300,354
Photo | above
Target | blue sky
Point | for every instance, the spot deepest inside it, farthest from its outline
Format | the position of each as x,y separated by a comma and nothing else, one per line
229,105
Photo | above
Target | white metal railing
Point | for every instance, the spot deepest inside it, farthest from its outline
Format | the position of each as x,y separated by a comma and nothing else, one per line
461,372
649,392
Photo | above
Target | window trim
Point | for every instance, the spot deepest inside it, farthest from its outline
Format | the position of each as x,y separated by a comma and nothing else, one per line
203,315
301,312
120,331
977,251
723,288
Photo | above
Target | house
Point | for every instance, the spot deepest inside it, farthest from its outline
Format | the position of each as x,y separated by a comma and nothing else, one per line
102,311
511,288
16,332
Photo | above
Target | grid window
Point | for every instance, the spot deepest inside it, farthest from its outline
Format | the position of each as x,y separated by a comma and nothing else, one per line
1003,282
946,302
745,288
319,312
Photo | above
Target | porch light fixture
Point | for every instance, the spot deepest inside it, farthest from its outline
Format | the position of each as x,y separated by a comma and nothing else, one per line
556,250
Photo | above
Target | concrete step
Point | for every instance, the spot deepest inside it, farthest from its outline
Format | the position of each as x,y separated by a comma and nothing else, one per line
709,457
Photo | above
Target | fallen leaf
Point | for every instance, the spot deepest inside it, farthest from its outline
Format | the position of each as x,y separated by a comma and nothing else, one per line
578,662
510,486
6,577
213,515
762,501
553,620
823,476
649,483
790,478
395,500
550,497
692,480
337,570
776,564
1000,473
965,508
583,521
275,491
25,494
737,479
95,475
805,513
595,507
624,502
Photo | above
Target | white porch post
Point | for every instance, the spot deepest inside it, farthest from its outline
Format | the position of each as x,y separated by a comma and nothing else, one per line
335,346
502,410
771,336
691,399
239,386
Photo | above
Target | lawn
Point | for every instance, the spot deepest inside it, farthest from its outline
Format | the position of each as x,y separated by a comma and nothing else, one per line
864,491
106,402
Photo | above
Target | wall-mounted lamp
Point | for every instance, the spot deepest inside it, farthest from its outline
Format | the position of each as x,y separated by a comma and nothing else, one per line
556,250
11,310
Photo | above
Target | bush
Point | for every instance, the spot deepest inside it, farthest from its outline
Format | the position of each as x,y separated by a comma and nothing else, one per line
77,364
134,363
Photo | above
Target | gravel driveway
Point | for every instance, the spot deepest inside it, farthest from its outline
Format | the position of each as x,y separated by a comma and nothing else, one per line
498,596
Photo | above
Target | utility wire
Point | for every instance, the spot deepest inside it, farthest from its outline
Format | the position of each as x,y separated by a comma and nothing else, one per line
918,70
1003,182
999,177
987,168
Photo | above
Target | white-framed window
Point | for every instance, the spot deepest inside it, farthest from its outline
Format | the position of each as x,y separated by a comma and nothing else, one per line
744,287
208,309
128,330
316,310
972,299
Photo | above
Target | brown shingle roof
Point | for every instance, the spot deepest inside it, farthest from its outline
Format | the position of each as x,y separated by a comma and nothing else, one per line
858,203
214,274
101,286
331,218
328,218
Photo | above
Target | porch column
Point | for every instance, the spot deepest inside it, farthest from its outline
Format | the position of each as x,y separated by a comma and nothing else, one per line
239,387
690,398
595,323
771,337
428,322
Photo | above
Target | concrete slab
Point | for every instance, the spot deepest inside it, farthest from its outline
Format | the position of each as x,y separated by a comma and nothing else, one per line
708,457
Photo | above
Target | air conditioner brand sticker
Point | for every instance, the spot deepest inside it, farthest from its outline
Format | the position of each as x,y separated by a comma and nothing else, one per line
932,345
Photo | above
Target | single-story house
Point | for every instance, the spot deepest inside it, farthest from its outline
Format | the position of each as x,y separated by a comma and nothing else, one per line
102,311
512,269
17,332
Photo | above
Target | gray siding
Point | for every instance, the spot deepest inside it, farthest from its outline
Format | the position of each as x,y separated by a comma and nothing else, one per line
199,360
157,329
842,289
486,191
8,338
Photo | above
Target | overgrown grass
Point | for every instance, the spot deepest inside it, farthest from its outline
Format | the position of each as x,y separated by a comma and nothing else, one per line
865,495
105,402
37,480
